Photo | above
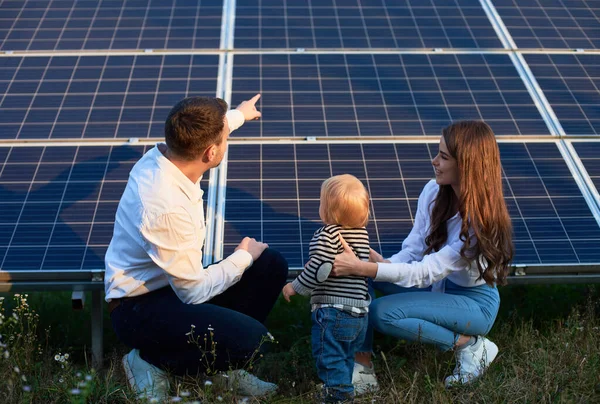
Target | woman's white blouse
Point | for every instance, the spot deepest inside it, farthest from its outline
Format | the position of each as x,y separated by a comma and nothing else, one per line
410,267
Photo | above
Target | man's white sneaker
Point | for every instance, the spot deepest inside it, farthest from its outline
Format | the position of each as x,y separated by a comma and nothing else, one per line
363,379
472,361
245,383
145,379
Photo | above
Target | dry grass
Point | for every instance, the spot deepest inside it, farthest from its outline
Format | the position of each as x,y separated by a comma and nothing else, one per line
548,357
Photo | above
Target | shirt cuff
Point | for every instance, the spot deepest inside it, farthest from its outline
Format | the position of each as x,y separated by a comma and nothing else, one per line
241,259
387,272
235,119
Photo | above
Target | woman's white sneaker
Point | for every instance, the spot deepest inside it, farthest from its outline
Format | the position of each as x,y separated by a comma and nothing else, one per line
364,379
472,361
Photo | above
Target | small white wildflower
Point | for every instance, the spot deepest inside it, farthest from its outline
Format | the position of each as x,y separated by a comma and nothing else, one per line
176,399
208,383
56,357
193,326
6,354
210,329
15,316
270,336
75,391
24,378
219,398
27,388
294,383
16,369
66,356
188,333
78,374
184,394
61,380
88,377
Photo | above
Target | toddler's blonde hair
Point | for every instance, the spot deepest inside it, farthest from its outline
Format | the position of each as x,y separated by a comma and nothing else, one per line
344,201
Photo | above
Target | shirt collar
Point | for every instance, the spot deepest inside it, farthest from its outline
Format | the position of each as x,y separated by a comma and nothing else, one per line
190,189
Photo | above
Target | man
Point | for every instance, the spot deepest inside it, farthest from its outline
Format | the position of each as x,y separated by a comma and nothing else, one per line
159,295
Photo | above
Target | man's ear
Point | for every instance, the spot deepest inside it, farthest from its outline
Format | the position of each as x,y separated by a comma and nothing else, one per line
209,154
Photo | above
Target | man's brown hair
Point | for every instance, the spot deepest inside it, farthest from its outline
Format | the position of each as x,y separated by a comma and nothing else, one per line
194,124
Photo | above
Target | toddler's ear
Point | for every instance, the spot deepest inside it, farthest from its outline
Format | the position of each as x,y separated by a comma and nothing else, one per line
324,271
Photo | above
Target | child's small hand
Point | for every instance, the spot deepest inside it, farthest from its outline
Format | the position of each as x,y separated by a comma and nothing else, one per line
288,290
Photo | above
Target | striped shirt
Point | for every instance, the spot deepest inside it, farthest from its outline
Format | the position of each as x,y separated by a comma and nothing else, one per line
349,292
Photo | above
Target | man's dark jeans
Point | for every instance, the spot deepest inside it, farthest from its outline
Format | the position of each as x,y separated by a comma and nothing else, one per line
229,327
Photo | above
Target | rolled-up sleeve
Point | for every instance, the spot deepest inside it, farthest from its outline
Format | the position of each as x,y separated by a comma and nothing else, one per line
235,119
432,268
172,242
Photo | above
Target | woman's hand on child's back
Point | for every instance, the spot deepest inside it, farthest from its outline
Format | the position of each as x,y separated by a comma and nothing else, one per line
288,290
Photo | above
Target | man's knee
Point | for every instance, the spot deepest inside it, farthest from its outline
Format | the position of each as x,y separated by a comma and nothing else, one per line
274,264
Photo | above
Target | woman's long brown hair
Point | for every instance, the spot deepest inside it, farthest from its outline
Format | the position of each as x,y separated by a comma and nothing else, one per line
481,203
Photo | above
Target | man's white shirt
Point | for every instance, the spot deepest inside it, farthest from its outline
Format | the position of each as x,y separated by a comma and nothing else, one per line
159,235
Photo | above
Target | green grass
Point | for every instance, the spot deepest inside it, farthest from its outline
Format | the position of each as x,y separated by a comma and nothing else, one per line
549,340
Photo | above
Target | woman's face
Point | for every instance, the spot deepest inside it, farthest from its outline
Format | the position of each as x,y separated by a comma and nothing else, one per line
446,167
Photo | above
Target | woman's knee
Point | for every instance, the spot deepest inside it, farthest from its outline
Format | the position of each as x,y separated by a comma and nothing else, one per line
382,314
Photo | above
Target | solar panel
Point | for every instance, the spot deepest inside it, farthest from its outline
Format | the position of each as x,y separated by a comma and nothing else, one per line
109,24
571,83
97,96
273,190
551,23
589,154
363,24
382,94
57,204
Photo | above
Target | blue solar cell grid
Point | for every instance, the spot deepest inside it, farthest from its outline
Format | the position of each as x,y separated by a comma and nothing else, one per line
58,204
363,24
552,23
98,96
589,154
383,95
273,194
571,84
109,24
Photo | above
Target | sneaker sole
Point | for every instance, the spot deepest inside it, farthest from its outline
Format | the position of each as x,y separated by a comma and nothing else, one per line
128,373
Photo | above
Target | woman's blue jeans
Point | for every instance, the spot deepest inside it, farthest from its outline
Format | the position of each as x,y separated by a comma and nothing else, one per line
430,317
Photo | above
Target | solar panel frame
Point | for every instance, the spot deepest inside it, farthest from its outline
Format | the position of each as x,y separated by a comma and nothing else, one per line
388,90
106,96
563,25
110,25
570,84
58,205
586,153
376,24
561,201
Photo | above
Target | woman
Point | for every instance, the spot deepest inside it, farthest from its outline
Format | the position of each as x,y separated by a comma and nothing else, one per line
460,246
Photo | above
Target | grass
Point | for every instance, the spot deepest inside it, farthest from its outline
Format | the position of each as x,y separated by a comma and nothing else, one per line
549,339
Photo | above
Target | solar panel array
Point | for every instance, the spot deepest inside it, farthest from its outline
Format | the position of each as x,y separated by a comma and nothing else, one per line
273,195
348,86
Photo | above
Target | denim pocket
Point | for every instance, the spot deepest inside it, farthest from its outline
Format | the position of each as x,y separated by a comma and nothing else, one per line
347,327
